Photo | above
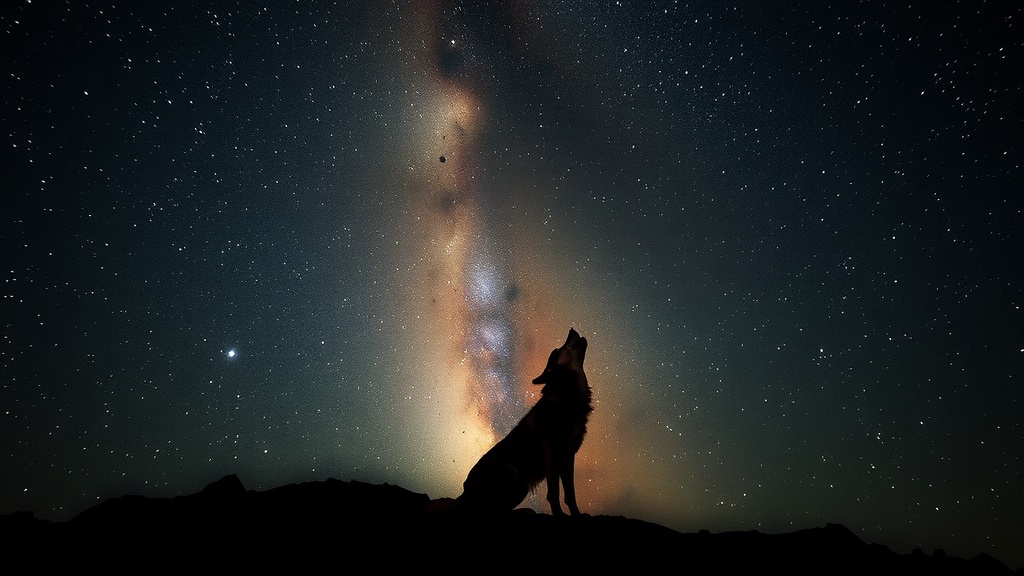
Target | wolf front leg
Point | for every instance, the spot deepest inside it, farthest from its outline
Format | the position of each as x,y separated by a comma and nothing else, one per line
551,464
569,484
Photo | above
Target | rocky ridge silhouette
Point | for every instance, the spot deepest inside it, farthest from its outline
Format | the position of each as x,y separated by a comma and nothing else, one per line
345,522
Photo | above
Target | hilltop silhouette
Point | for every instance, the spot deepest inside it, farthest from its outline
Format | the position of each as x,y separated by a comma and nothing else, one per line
355,522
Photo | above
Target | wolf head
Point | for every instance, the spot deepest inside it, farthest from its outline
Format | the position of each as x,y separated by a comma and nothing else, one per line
565,361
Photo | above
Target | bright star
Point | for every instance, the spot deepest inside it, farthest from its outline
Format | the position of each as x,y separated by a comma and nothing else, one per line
232,353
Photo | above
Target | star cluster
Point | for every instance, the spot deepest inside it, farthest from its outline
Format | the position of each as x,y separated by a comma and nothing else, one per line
341,239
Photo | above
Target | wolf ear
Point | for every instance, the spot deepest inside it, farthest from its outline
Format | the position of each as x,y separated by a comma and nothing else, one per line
549,369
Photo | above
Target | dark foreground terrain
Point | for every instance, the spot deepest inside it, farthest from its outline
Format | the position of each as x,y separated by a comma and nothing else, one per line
340,526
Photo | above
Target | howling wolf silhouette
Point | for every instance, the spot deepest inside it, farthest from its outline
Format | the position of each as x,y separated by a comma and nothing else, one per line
544,443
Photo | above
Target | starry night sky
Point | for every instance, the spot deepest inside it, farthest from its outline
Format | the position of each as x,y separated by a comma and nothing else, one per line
314,240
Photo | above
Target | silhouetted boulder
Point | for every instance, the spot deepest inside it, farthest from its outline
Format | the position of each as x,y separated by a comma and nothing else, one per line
227,487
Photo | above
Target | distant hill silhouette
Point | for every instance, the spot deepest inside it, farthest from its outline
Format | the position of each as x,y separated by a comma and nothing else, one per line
347,524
